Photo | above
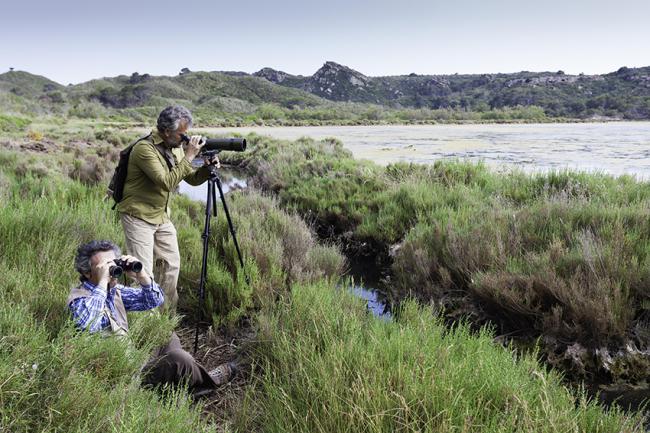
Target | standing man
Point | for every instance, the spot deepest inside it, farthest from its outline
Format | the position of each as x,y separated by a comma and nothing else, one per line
157,165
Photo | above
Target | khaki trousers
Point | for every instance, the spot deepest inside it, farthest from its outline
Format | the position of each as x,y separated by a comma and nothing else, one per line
155,243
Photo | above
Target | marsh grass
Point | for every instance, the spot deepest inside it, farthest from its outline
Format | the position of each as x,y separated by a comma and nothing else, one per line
321,362
51,377
55,379
326,365
279,249
559,254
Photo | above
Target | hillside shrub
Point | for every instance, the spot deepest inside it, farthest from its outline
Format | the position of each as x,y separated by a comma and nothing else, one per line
10,123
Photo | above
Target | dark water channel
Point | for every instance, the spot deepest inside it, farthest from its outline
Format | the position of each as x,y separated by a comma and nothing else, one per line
366,284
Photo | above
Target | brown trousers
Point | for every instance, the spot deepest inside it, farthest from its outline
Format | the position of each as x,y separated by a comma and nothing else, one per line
172,365
152,243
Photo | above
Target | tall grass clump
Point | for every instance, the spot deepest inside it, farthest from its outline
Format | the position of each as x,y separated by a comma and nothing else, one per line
319,179
279,249
53,378
326,365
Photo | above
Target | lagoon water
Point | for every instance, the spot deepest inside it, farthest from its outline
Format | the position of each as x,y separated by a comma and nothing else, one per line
615,148
229,182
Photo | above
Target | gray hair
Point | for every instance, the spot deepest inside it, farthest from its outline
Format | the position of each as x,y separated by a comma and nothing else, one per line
87,250
170,118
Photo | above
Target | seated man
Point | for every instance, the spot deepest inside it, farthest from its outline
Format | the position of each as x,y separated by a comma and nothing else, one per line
99,304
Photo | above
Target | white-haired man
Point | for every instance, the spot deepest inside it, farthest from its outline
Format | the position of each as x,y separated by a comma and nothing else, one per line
157,164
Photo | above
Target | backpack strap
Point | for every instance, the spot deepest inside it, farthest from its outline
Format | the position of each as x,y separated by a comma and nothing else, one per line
166,154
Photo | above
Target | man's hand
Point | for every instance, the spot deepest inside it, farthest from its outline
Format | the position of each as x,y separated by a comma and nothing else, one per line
108,195
142,276
193,148
214,160
100,273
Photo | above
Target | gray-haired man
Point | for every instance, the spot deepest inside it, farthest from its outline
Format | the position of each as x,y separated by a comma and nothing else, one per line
100,304
157,165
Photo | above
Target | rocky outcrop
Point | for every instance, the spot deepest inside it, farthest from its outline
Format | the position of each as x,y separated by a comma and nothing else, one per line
272,75
543,80
336,81
332,81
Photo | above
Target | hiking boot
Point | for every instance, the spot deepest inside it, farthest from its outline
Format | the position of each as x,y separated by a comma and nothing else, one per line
223,373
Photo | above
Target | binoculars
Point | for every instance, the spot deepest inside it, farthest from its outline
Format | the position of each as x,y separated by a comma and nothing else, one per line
122,266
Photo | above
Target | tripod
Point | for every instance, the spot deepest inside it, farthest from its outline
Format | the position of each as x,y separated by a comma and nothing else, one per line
210,210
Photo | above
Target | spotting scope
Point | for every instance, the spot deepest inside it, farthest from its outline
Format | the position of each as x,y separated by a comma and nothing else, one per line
219,144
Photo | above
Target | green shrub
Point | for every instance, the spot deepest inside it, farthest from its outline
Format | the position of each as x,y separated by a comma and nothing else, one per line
277,248
10,123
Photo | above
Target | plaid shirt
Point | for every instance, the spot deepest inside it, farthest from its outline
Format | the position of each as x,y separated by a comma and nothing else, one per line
87,312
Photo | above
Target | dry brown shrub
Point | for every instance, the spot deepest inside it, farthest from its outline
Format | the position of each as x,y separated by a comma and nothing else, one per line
587,305
297,240
325,261
36,168
582,285
40,169
21,169
5,185
418,269
90,170
108,153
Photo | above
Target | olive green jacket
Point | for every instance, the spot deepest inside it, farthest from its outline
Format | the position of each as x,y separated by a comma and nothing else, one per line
150,182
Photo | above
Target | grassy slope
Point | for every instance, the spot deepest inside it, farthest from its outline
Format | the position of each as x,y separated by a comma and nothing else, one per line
26,84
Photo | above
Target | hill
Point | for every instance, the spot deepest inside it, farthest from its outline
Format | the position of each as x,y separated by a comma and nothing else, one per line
336,94
139,96
624,93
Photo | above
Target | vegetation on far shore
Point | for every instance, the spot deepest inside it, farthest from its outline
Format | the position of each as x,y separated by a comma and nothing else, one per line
319,361
270,115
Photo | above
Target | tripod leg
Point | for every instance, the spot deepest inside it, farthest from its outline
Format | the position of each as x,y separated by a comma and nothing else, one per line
210,206
232,228
214,197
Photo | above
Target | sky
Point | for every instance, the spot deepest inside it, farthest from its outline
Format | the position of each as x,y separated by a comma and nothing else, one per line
71,41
